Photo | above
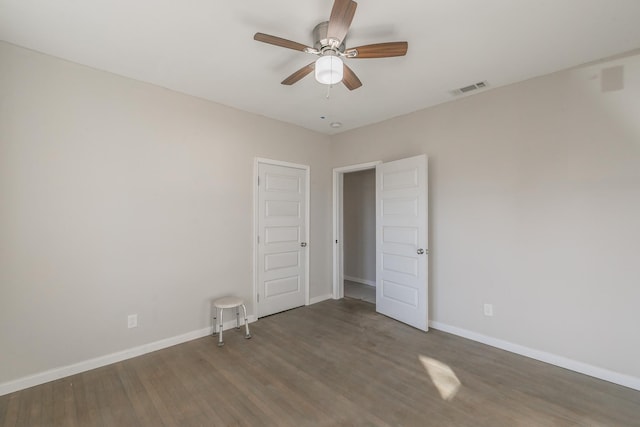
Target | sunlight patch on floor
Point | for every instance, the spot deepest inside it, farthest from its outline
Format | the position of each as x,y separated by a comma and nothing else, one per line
442,377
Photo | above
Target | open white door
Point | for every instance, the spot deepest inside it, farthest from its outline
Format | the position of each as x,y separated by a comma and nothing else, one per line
401,241
282,238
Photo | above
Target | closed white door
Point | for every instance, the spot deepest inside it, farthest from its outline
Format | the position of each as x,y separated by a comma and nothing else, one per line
282,238
401,241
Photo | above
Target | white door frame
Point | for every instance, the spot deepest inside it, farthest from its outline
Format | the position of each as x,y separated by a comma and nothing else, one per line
306,168
338,255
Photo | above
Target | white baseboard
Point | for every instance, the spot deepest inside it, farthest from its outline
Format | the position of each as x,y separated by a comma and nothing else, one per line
321,298
87,365
359,280
76,368
553,359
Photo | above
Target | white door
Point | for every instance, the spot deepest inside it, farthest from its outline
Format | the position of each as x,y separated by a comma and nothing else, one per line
282,237
401,241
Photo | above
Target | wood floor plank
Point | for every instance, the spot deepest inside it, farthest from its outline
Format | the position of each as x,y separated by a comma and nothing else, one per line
10,406
330,364
165,390
135,391
301,388
63,403
4,409
208,383
31,405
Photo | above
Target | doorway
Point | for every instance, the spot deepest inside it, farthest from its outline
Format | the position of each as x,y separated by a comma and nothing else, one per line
401,236
359,235
338,223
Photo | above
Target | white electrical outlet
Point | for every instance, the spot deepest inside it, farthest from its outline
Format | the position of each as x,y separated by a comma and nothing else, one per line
132,321
488,310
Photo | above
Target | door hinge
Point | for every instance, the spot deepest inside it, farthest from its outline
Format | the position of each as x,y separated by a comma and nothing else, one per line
258,181
258,239
258,297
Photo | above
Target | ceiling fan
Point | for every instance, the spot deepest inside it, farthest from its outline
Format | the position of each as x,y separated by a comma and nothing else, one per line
329,45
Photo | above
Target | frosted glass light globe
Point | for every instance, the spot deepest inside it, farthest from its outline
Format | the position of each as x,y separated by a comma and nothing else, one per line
329,70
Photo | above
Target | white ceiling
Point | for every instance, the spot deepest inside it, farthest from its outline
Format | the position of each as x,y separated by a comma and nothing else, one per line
205,48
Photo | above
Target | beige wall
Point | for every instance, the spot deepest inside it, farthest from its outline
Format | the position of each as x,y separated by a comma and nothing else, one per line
534,208
118,197
359,223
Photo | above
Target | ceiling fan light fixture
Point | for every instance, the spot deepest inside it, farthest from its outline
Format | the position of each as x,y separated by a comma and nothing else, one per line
329,69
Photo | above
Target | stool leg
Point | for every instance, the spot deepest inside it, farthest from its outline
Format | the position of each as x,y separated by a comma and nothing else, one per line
220,341
215,323
246,322
237,317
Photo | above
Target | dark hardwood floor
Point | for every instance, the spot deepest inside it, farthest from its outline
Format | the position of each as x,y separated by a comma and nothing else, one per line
332,363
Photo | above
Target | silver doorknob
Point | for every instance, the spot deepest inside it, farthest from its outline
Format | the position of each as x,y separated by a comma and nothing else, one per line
420,251
303,244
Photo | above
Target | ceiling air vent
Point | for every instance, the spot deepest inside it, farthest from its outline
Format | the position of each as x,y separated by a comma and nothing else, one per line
467,89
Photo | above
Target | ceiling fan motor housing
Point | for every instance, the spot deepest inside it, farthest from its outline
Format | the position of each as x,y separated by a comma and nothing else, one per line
322,43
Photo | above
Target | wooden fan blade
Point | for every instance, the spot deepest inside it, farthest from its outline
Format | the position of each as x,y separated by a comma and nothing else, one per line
379,50
293,78
349,78
277,41
340,20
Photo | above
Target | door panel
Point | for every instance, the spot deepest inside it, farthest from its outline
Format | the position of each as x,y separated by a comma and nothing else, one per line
281,260
283,286
281,230
400,293
400,264
401,233
282,208
276,235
